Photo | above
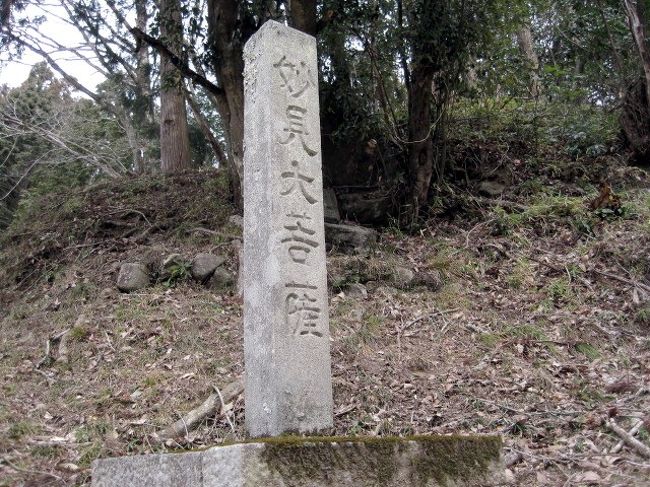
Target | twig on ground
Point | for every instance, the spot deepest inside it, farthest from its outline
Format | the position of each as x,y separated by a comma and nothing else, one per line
52,341
474,228
232,426
635,429
618,278
345,410
499,202
24,470
530,413
213,232
130,210
636,445
210,406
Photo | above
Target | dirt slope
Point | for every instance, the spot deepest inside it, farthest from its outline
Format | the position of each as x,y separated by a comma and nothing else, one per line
539,333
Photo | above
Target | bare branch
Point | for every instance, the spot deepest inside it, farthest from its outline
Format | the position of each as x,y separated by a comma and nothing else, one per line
178,63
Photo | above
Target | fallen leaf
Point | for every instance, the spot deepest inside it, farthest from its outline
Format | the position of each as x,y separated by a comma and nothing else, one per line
589,477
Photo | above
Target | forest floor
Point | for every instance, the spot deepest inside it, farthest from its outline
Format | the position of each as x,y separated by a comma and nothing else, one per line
540,332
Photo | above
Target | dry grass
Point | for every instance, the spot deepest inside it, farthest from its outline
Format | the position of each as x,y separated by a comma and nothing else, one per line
523,340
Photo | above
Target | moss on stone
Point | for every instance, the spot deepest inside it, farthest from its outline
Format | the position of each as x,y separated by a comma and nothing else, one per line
453,460
439,459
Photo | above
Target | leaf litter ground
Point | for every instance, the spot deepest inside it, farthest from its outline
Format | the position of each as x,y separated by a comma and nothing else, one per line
539,333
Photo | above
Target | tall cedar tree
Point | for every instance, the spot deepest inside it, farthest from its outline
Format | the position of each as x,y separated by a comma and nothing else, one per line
174,139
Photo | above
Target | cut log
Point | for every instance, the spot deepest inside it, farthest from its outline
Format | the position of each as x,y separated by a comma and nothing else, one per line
212,405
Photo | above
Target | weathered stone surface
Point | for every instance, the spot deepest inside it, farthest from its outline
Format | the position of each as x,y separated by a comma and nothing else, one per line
286,332
434,461
432,280
132,276
331,206
402,277
368,207
204,265
350,237
183,470
356,290
221,280
153,258
172,260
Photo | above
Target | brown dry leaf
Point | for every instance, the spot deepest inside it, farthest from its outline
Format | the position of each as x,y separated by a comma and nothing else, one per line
620,386
542,478
68,467
589,478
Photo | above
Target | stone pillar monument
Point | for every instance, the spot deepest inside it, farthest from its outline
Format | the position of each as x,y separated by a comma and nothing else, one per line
286,330
286,335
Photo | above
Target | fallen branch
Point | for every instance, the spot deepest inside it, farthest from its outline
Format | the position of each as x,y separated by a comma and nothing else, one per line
213,232
52,342
622,279
498,202
30,472
636,445
616,277
212,405
632,432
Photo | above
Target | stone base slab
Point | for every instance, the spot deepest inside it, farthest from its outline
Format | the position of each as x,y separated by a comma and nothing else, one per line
426,461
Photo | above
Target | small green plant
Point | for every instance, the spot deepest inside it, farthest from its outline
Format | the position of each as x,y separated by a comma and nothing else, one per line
642,316
394,228
370,328
559,289
22,428
358,428
151,380
79,333
489,339
587,350
518,428
583,225
520,275
589,395
82,434
83,291
528,332
177,273
542,208
612,213
90,454
46,451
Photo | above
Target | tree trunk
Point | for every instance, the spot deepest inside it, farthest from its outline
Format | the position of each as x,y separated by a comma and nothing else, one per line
616,54
402,48
228,33
303,16
204,126
423,14
143,106
144,103
636,19
174,139
420,159
525,41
